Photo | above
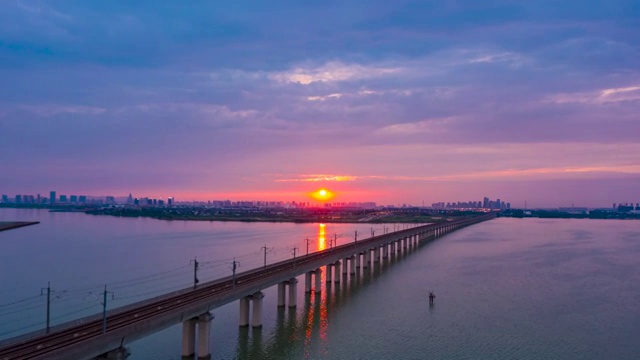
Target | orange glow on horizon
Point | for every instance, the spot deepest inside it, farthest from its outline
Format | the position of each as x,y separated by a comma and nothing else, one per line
322,195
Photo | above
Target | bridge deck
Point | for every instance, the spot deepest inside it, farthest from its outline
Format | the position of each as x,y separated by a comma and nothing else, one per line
84,338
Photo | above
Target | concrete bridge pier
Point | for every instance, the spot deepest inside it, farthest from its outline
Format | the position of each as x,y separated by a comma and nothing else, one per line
204,335
393,247
366,259
244,312
281,293
376,254
307,281
336,265
318,287
385,251
293,292
256,320
329,270
353,264
358,264
404,244
345,267
189,338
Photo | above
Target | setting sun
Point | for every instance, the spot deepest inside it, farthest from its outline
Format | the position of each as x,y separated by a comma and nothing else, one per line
322,195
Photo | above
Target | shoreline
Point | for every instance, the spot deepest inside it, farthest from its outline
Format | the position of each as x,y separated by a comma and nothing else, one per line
10,225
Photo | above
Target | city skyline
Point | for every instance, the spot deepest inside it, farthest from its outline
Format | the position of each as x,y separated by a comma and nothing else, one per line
312,200
395,103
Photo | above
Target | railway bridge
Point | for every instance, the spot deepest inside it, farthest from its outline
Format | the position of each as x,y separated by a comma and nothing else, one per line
104,336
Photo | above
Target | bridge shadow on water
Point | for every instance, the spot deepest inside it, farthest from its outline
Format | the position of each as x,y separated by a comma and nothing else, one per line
302,332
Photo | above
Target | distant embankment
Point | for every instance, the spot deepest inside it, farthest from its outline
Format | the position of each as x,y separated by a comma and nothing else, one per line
8,225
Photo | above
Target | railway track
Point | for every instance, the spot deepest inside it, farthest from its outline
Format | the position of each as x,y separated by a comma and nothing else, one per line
42,345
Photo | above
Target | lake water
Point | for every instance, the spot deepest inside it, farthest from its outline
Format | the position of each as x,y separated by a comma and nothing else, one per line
506,288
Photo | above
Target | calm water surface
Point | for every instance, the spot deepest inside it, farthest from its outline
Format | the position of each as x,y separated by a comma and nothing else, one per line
506,289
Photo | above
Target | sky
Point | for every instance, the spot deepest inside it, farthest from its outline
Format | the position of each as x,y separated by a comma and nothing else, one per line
397,102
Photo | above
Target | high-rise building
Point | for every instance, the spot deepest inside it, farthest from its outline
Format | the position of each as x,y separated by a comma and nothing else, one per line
82,199
63,198
18,199
170,201
485,203
5,198
52,197
73,199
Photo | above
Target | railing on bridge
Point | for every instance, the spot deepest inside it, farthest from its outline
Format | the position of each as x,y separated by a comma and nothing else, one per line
89,337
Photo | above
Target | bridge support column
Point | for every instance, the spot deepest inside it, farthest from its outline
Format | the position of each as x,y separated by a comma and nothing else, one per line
244,311
189,338
281,293
307,282
385,251
336,265
353,264
345,268
329,270
293,292
376,254
318,276
393,247
256,320
404,244
358,264
204,334
365,258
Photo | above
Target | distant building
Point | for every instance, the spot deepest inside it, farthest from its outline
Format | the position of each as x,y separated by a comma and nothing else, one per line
52,197
110,200
5,198
82,199
73,199
170,201
63,198
18,199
